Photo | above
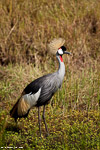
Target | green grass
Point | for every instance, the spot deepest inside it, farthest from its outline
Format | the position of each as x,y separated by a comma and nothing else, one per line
72,116
74,130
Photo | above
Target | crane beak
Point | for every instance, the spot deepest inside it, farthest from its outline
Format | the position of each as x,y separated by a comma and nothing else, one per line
65,52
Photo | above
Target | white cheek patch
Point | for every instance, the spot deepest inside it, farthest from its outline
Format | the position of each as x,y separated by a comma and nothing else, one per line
60,51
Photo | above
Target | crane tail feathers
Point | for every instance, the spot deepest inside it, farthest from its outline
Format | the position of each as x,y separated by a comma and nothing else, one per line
20,109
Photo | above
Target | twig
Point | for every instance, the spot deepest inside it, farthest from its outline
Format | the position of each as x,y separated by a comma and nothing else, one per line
12,29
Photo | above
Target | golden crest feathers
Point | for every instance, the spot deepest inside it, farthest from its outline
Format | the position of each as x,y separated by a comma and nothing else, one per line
55,44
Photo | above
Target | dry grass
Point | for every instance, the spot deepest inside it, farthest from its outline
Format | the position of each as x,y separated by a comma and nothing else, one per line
25,29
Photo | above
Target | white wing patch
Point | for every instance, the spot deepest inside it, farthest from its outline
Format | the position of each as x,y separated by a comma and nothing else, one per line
32,99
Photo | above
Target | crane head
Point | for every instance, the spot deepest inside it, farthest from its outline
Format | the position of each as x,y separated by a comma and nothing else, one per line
62,50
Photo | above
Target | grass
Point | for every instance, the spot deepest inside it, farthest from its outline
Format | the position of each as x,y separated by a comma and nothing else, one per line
72,116
26,26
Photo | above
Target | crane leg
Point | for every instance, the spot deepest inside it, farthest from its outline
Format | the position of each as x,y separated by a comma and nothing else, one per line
39,119
44,120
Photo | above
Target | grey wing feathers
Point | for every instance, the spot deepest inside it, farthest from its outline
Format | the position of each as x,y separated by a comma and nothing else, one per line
34,86
49,87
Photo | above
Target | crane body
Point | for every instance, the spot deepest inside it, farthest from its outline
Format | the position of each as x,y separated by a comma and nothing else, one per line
40,91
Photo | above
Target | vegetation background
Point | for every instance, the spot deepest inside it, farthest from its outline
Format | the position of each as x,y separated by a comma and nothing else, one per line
26,26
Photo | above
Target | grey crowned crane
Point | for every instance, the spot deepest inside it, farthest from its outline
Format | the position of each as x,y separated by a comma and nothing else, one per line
40,91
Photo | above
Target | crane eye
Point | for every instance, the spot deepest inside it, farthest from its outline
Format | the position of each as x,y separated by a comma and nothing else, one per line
60,51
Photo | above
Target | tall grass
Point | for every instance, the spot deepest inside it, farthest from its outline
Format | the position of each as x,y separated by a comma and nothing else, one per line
27,26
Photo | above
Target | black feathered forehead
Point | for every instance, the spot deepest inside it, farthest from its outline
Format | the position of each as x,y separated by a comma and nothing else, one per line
63,48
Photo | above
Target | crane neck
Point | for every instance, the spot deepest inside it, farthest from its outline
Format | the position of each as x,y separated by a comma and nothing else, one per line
61,69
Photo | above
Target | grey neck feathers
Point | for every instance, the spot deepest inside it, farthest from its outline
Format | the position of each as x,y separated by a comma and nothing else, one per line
61,69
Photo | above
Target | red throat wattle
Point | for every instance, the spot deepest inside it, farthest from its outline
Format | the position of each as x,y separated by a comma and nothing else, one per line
61,59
